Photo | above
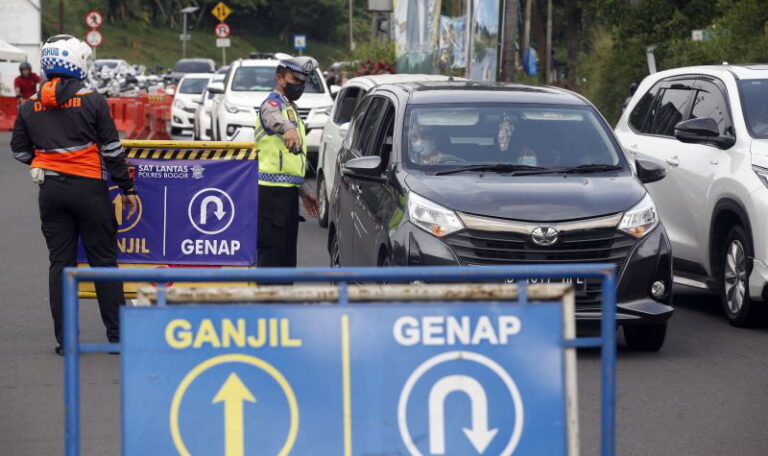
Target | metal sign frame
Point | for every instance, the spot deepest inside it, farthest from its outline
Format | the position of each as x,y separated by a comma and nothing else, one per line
342,276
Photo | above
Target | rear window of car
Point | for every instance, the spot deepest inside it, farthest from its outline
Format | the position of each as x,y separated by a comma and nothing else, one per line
193,67
193,85
548,136
262,79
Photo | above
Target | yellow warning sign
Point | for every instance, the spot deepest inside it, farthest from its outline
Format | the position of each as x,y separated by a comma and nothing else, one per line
221,11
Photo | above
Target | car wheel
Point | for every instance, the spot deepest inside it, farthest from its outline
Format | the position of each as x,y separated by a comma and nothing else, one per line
334,252
645,337
322,200
734,280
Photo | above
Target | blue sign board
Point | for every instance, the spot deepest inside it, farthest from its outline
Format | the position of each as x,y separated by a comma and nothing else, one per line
300,42
200,212
392,378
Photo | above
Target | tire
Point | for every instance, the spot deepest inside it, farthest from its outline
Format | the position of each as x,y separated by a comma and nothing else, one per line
645,337
735,267
334,252
322,198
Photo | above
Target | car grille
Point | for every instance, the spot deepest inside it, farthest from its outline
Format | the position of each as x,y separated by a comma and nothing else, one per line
600,245
303,113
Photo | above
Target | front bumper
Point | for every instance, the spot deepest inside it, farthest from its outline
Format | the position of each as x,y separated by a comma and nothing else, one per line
649,260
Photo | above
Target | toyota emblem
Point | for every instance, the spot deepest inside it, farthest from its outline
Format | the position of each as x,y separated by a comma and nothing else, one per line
544,236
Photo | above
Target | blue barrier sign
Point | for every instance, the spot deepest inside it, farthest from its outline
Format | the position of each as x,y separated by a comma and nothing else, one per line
192,212
484,378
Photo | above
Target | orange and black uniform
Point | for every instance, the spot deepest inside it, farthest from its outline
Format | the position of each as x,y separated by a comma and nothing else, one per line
68,131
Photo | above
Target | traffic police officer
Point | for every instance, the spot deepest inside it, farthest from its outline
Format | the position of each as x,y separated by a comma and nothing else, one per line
67,137
282,144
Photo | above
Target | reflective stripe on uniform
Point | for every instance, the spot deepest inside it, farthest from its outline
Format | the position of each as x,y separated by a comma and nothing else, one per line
22,156
281,178
64,150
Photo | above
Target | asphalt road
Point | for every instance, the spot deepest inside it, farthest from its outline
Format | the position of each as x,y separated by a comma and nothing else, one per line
705,393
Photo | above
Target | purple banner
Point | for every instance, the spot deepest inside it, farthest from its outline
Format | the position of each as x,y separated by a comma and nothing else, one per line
201,212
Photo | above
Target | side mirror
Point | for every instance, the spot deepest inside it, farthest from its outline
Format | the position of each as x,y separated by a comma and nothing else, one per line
648,171
362,167
702,130
216,87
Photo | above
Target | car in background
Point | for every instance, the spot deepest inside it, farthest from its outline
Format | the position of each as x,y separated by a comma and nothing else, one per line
186,101
247,85
185,66
112,66
470,174
202,130
708,126
335,128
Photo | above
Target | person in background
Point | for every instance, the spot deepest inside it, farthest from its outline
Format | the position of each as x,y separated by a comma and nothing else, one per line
25,83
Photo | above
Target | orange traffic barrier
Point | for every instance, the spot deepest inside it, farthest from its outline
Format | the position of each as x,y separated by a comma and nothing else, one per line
159,117
8,111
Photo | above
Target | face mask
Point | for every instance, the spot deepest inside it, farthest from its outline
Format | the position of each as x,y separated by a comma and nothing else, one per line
417,146
294,91
528,160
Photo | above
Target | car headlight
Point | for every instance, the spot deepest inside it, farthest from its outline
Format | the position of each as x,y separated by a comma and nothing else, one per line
432,217
234,109
179,104
762,174
641,219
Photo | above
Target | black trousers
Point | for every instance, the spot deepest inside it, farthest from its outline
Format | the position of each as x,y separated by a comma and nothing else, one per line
72,207
278,229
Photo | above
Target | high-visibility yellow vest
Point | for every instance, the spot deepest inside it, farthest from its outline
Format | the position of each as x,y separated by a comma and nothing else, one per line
278,166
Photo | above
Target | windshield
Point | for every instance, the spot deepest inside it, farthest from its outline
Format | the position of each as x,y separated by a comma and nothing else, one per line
439,137
193,85
262,79
192,67
100,65
754,101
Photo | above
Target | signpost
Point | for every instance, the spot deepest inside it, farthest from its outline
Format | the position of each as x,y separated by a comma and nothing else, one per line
222,30
93,19
93,38
300,43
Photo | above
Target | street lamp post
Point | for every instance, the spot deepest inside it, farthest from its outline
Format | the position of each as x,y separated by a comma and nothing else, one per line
184,36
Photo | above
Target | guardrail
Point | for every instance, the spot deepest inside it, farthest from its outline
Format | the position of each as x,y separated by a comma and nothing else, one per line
341,277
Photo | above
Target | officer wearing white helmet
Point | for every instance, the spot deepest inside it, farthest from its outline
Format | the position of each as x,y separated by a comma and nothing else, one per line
66,135
282,144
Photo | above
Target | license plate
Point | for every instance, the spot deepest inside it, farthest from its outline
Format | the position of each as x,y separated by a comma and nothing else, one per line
579,284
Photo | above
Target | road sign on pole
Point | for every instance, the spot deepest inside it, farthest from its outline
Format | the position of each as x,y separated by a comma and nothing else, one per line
300,42
221,11
93,38
93,19
222,30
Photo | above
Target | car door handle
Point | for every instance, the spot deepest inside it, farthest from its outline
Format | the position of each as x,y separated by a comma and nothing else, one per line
673,161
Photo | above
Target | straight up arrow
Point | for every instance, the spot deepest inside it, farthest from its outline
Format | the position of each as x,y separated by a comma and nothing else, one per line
479,435
233,393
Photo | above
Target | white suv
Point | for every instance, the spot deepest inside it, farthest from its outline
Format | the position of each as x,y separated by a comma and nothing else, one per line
338,123
246,86
709,126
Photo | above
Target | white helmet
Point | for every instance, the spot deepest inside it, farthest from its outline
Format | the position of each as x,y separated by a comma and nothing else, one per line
65,55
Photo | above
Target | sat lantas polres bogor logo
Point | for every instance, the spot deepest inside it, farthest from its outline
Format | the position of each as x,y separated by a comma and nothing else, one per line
125,243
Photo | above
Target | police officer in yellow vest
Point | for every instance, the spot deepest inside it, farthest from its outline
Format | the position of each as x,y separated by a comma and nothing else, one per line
282,144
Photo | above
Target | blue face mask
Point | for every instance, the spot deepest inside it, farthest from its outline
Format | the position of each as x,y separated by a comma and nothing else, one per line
527,160
417,147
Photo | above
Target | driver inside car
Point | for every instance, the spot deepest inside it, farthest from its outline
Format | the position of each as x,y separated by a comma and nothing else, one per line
423,148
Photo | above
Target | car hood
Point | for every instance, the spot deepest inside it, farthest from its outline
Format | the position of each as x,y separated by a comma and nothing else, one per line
307,101
541,198
759,151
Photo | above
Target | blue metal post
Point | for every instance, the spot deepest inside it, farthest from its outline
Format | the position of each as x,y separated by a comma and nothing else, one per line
71,366
608,364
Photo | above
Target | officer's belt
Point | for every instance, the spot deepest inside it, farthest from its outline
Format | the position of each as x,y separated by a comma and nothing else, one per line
281,178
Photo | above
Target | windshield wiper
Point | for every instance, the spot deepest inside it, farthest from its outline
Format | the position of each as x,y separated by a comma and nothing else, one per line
498,167
591,168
